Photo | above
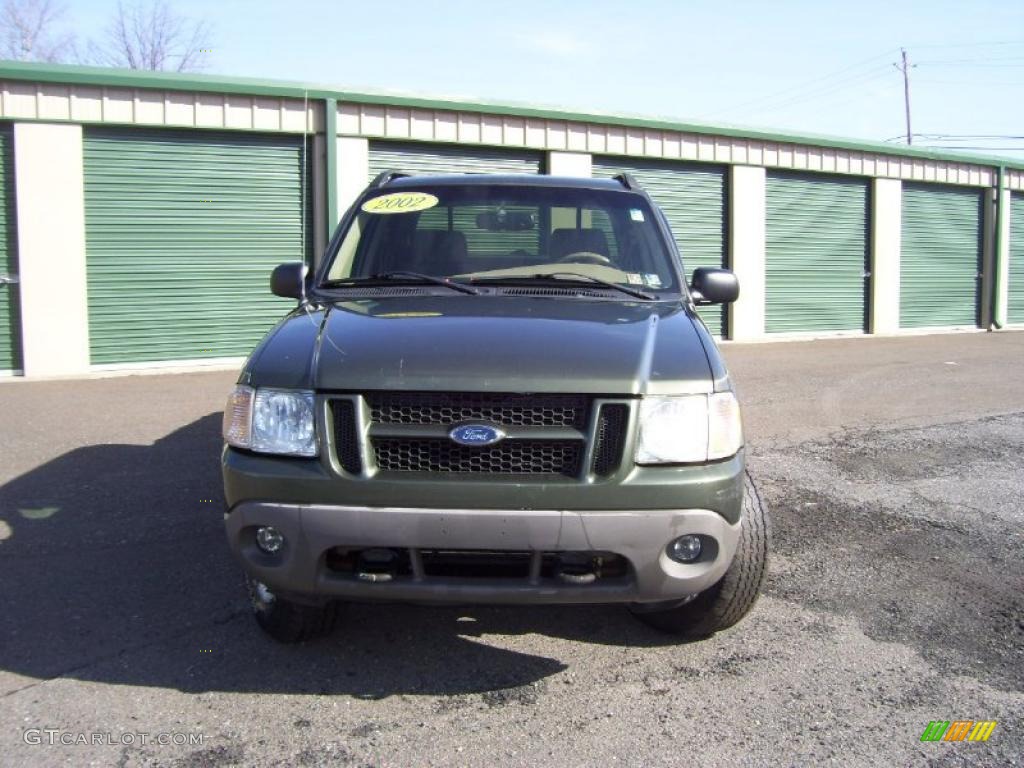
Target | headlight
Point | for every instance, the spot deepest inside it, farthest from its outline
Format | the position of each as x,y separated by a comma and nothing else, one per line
689,429
271,421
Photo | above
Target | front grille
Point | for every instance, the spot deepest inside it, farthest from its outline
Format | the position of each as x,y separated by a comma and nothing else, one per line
346,436
509,457
508,410
611,438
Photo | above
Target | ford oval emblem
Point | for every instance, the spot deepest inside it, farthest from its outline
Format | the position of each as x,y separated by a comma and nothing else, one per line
476,434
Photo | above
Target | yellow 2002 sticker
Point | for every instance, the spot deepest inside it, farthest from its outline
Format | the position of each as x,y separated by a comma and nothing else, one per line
400,202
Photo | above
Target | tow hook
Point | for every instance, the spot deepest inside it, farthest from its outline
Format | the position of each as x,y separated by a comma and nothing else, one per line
376,565
574,568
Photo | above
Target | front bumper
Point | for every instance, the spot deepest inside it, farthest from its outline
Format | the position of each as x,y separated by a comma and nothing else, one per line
312,531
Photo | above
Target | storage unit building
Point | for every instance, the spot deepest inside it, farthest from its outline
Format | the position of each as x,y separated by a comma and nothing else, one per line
173,197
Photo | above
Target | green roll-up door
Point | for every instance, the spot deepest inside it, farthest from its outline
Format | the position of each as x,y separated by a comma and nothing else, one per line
940,256
816,253
10,313
1015,276
437,158
182,231
693,199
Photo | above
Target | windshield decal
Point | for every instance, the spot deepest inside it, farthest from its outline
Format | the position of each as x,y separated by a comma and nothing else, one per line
400,202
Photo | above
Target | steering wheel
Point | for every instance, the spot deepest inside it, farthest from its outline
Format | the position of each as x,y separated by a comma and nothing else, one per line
584,257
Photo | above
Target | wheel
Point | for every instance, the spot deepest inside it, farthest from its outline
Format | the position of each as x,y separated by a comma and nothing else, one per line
731,598
287,621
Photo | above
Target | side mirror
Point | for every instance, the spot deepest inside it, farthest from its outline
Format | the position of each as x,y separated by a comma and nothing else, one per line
289,280
714,286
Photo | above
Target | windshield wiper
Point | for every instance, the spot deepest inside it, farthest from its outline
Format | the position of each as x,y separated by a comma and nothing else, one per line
401,276
572,277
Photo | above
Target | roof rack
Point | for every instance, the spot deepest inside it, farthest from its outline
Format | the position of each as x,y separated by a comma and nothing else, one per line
383,178
627,181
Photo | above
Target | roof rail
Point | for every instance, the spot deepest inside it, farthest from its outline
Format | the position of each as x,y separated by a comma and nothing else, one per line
627,181
383,178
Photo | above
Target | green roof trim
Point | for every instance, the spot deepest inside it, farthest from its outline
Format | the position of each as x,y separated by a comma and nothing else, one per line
126,78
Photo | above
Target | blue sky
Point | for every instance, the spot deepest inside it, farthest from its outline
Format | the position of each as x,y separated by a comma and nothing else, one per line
816,67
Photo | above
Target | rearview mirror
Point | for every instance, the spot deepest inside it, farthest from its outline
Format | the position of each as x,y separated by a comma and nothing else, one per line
503,220
714,286
289,280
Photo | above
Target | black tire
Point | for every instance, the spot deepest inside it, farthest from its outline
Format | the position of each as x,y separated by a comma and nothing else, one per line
287,621
730,599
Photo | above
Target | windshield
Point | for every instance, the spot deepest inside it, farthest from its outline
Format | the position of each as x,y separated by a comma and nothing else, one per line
500,232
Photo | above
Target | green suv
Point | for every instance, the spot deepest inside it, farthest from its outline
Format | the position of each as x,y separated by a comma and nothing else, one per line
494,389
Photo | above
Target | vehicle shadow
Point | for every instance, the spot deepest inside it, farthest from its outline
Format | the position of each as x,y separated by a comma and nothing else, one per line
115,569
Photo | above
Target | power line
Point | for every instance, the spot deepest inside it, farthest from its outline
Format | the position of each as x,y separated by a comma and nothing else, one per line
831,88
961,146
794,90
967,45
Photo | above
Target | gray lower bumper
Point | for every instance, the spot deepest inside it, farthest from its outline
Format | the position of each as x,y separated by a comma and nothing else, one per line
640,536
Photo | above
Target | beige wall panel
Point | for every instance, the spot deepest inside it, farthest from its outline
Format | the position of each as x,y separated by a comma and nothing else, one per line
266,114
671,145
348,118
513,130
180,108
616,140
210,110
54,102
49,188
372,121
119,105
149,107
421,124
654,144
475,128
237,112
634,141
535,135
687,146
705,148
446,126
576,137
20,100
396,123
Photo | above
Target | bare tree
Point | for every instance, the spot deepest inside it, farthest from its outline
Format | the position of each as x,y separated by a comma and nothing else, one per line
149,35
29,31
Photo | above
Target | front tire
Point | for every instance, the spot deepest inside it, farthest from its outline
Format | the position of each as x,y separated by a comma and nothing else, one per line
286,620
730,599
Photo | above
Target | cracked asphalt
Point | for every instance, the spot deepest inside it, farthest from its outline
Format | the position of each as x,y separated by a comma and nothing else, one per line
894,469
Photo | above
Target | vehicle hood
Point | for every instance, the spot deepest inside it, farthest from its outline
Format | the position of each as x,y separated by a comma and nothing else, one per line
486,343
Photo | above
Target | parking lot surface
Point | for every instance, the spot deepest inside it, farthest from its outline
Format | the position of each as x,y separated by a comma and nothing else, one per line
894,469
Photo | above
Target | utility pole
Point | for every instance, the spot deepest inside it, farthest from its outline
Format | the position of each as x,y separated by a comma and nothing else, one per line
905,69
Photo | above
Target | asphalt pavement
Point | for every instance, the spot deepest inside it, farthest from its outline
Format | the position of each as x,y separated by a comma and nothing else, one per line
894,469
